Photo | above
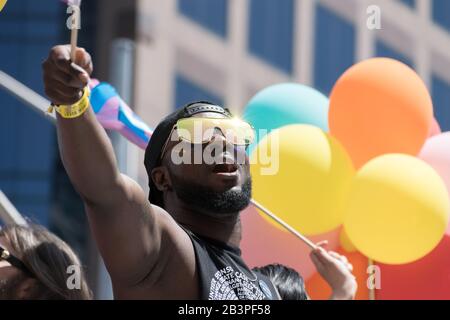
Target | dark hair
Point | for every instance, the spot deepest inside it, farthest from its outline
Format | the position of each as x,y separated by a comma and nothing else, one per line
288,282
48,258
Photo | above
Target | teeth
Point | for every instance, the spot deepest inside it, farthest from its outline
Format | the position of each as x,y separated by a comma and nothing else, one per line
225,168
232,173
227,173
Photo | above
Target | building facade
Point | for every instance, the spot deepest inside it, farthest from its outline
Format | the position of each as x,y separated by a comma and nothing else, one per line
227,50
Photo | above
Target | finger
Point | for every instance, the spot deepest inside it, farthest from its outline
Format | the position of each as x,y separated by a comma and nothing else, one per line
51,66
350,267
324,257
60,56
323,243
319,265
338,256
83,59
51,72
79,73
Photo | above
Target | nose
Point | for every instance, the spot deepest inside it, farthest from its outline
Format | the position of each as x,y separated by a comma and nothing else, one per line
238,152
219,137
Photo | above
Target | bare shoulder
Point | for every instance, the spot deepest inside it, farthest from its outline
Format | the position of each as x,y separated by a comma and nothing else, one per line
177,272
174,274
145,251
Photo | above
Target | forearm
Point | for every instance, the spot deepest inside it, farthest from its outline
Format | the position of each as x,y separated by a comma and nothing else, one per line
88,158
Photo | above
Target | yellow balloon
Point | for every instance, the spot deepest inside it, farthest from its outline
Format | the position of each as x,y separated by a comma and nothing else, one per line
345,242
398,209
305,181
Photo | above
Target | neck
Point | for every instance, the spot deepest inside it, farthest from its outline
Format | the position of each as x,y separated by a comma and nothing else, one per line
223,228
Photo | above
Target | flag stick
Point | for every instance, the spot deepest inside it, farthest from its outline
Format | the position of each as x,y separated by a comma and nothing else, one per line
284,224
75,25
73,42
371,288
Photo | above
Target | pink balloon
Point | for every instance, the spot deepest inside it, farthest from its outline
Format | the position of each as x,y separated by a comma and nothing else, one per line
435,128
263,243
436,152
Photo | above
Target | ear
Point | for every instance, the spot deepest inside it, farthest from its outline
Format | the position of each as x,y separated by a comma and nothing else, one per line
161,178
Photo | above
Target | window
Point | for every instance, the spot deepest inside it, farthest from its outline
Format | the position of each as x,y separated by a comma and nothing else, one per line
31,172
186,92
271,32
441,102
383,50
441,13
334,48
409,3
27,30
211,14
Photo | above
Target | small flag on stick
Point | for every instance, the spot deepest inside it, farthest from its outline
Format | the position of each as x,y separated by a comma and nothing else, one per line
114,114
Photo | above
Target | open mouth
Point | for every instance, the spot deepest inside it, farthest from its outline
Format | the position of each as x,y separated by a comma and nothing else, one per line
226,169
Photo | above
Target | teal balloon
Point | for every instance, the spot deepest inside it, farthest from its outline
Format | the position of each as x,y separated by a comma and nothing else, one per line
284,104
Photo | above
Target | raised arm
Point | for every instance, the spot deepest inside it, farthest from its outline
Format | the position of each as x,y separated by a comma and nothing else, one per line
127,229
85,148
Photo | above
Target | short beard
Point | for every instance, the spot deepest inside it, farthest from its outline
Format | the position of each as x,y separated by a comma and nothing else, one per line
225,203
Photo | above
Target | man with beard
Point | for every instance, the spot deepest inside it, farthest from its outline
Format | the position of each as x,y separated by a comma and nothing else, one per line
181,242
184,242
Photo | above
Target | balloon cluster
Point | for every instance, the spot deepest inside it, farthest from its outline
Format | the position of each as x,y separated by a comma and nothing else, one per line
370,162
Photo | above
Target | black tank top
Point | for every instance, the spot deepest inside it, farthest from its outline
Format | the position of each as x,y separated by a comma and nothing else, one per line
223,275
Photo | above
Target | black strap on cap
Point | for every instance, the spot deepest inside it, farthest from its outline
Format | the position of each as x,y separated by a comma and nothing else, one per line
201,107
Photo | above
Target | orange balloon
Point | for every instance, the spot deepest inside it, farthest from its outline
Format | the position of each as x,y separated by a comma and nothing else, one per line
380,106
318,289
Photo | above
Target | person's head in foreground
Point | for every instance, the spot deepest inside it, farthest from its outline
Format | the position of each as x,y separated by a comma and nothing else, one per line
197,158
34,265
289,283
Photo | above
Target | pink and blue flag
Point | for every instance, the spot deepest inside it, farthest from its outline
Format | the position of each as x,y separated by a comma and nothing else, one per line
114,114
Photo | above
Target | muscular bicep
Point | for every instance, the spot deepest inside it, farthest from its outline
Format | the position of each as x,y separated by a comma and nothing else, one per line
134,237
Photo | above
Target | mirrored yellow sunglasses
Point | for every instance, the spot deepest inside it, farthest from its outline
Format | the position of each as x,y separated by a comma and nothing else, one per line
202,130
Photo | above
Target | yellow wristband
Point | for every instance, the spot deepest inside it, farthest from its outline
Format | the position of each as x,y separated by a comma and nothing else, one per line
75,110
